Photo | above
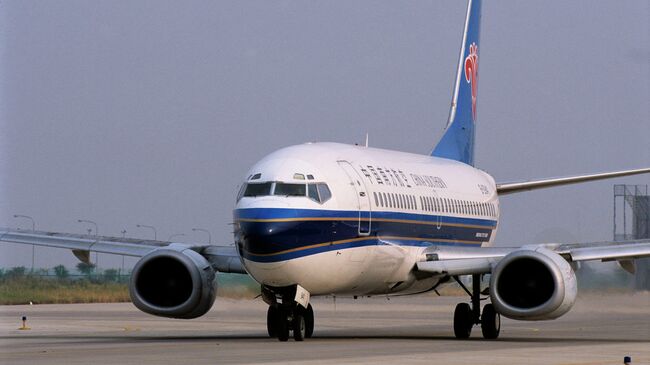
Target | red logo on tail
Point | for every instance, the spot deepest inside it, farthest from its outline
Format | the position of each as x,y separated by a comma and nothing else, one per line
471,74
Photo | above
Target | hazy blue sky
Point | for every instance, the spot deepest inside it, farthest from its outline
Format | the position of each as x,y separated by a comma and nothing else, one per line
128,112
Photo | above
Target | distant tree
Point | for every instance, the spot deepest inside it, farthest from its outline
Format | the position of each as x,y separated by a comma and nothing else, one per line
85,268
61,272
2,273
16,272
110,275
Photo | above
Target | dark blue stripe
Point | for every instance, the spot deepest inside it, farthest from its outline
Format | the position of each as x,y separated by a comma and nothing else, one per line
272,237
268,241
283,213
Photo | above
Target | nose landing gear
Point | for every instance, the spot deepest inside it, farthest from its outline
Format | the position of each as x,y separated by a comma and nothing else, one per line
466,316
287,316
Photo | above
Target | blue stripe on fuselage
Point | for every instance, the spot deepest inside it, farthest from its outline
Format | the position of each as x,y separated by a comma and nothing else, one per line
288,213
277,234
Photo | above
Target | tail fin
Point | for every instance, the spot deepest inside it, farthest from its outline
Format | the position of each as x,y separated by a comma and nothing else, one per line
458,141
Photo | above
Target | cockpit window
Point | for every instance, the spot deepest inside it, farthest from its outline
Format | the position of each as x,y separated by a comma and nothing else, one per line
312,192
290,189
324,192
258,189
318,192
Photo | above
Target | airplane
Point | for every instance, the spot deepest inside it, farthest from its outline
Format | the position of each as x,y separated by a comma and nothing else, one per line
334,219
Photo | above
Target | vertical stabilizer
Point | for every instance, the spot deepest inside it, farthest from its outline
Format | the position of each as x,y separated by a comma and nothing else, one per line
457,143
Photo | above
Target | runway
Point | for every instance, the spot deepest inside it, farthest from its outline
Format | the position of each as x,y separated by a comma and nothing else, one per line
601,329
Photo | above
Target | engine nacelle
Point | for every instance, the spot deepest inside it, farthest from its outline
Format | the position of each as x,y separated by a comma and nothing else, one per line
173,282
533,285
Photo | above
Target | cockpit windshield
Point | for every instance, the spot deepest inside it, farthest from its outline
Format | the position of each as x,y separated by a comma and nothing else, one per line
290,189
258,189
318,192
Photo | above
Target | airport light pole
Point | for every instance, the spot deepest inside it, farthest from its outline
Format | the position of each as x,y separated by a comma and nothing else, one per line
91,222
204,230
27,217
33,230
122,270
155,233
176,235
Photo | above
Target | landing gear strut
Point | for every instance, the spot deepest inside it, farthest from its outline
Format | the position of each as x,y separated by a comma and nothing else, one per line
466,315
286,316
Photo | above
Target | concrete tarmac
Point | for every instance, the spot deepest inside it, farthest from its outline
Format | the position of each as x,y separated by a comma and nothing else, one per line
600,329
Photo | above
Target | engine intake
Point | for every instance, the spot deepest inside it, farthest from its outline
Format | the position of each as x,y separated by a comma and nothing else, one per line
533,285
175,283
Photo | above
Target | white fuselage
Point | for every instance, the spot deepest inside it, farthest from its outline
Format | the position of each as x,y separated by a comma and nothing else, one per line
386,207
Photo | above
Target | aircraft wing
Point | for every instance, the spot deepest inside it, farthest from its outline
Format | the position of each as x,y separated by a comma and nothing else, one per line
222,258
443,260
515,187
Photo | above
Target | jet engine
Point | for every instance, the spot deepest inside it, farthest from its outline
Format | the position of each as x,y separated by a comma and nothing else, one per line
173,282
532,284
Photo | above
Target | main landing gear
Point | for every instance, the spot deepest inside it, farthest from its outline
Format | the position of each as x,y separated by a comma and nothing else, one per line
466,315
286,315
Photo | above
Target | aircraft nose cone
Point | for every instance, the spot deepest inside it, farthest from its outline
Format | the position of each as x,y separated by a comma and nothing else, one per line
263,238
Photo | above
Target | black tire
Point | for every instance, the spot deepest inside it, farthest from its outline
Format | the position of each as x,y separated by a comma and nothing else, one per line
463,321
283,325
272,319
490,322
298,326
309,321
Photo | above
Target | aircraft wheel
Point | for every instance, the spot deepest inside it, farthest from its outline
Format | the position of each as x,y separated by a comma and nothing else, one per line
463,321
490,322
298,324
283,325
272,319
309,321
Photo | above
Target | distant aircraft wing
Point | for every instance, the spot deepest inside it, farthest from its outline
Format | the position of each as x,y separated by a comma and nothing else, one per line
222,258
444,260
516,187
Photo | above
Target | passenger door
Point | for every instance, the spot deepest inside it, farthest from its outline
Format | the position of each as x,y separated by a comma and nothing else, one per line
363,197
